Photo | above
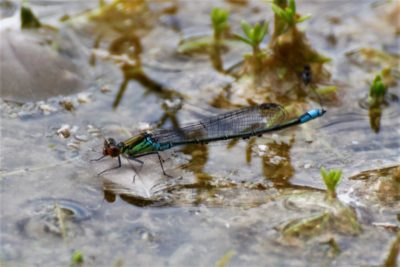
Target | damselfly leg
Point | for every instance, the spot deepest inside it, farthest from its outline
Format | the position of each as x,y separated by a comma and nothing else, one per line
159,159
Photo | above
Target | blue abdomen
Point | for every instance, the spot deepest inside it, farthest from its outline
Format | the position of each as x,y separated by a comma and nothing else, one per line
312,114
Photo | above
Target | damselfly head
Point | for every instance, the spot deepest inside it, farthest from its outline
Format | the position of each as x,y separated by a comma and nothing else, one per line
111,148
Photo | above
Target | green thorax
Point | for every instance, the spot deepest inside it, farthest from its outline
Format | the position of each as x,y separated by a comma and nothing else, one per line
139,144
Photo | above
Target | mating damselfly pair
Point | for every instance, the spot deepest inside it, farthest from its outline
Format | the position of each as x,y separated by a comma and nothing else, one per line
241,123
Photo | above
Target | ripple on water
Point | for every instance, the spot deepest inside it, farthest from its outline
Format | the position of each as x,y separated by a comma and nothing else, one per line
57,217
352,134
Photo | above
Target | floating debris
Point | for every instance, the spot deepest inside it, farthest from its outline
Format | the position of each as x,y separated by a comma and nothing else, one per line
82,138
84,98
67,104
47,109
64,131
105,89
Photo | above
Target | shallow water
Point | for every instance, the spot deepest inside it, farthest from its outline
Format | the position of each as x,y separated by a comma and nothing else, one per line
231,198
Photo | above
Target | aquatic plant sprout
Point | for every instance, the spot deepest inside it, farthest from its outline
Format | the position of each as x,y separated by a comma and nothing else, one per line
288,14
377,91
331,179
254,35
219,19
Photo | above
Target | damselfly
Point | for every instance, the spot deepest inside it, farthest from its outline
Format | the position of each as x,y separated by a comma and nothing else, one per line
242,123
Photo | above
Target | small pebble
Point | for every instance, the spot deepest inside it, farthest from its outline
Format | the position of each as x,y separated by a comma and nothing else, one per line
73,145
145,236
64,131
93,130
105,89
82,138
47,109
144,126
67,104
84,98
262,148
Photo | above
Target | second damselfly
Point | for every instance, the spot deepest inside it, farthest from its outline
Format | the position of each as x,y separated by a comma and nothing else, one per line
241,123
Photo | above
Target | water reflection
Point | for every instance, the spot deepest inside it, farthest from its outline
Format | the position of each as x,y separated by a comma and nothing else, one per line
171,109
111,196
376,110
199,157
126,50
129,21
277,165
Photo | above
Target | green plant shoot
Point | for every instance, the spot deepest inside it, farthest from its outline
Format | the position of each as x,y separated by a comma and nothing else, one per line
331,179
219,19
253,35
377,91
288,15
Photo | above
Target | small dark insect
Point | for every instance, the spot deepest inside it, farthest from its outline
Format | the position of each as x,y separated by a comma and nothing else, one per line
306,75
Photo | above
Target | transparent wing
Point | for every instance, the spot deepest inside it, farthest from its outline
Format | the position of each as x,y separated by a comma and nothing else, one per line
240,121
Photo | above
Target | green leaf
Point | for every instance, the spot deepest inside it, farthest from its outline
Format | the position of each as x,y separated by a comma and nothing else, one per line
331,178
378,88
219,18
303,18
264,29
256,33
241,38
290,16
246,28
292,6
324,172
278,10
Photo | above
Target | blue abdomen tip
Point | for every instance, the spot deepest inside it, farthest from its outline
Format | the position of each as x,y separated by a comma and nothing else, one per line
312,114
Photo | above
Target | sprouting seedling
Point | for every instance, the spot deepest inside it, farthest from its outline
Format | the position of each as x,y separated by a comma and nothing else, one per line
219,19
331,179
288,16
28,18
253,35
377,91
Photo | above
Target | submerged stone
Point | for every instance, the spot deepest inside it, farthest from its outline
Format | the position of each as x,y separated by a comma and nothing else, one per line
35,67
